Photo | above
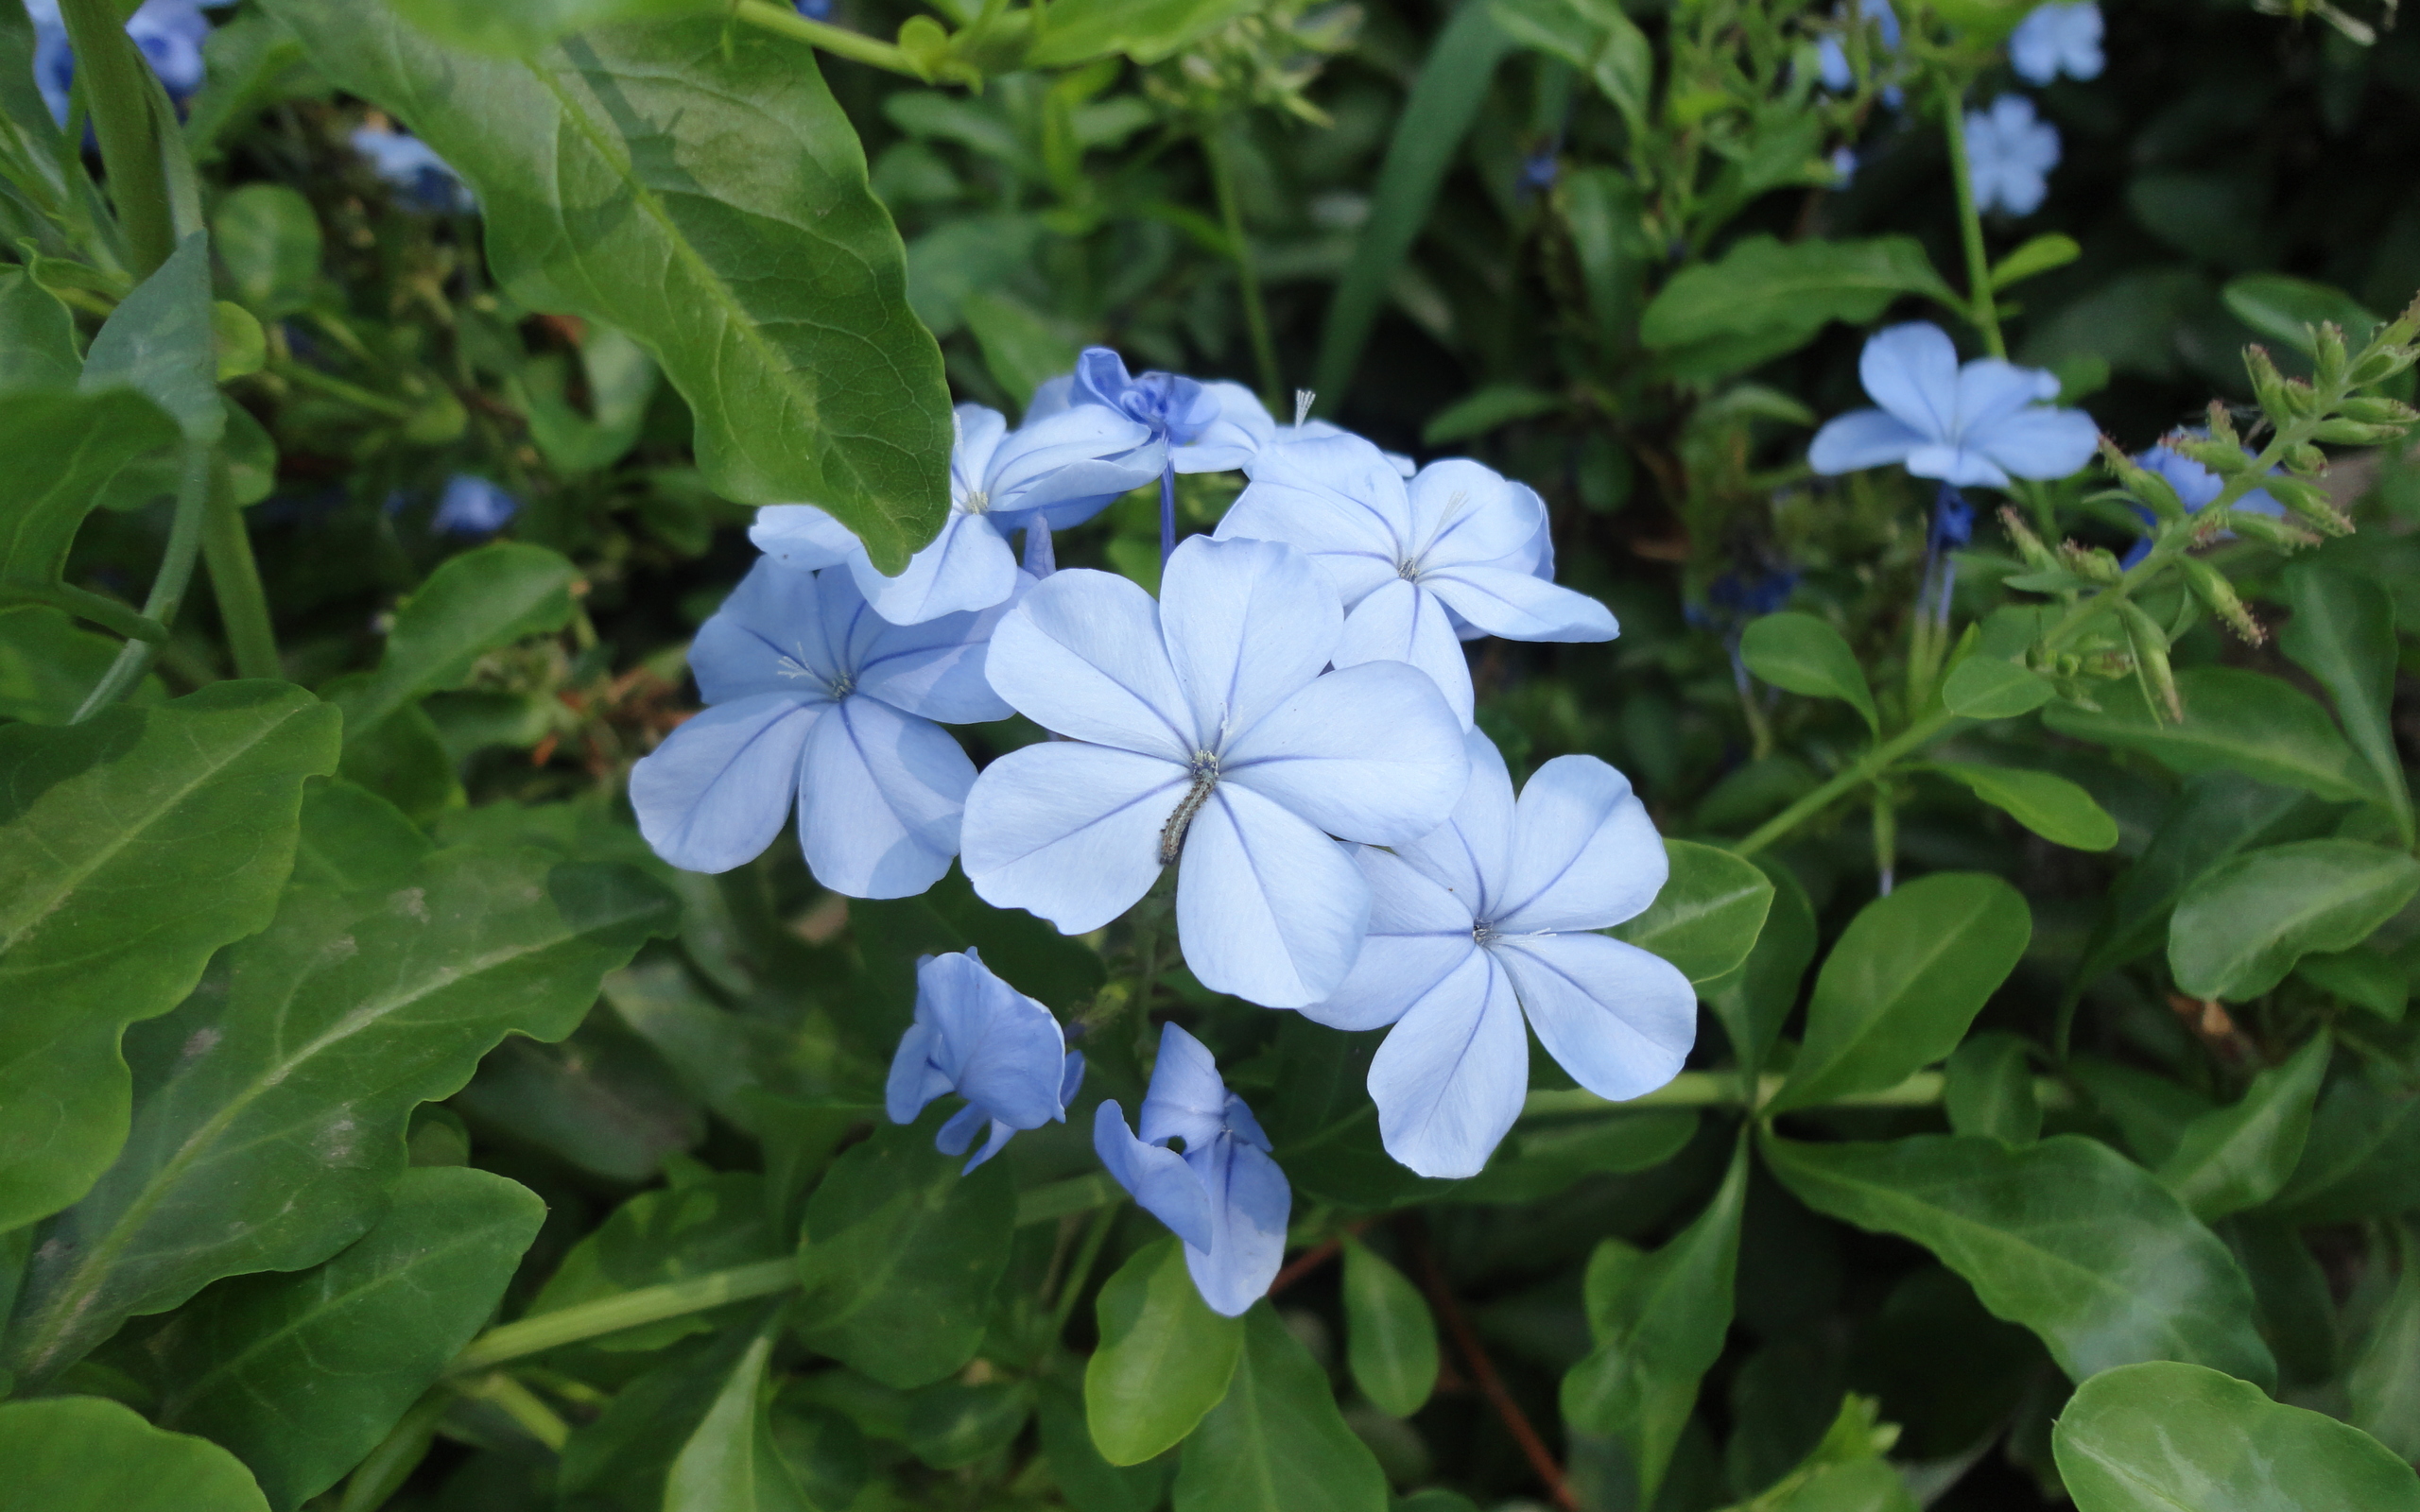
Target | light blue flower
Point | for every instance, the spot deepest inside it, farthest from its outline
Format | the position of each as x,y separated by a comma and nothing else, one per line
2195,485
1212,427
169,32
2057,39
979,1037
815,10
809,690
1832,60
1406,558
1224,1195
1055,472
1493,916
473,506
1203,735
427,181
2009,155
1971,425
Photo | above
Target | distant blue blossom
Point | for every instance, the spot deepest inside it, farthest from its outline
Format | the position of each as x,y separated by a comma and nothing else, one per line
1406,557
808,691
169,32
2057,39
1972,425
1055,472
2195,485
1844,165
423,180
1203,735
979,1037
1223,1197
473,506
1953,526
2009,155
1832,59
1493,916
815,10
1539,171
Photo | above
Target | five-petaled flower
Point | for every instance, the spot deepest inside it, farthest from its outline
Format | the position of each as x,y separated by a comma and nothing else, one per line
808,689
979,1037
2009,155
1203,735
1972,425
1413,562
1493,916
2062,36
1222,1196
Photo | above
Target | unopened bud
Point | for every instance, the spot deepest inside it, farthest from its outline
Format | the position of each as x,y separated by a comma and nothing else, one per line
2327,354
2270,387
2305,459
2222,425
2268,530
2028,545
2308,504
2355,433
2225,457
2148,488
2371,410
2090,563
2150,657
2219,596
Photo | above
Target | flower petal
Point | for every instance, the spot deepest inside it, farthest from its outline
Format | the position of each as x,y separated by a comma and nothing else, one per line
1860,439
980,430
1000,1048
1156,1177
1520,606
1418,933
767,637
914,1079
1911,371
2041,443
714,793
1249,1205
935,669
1620,1019
1070,832
1069,466
1990,390
1336,499
1367,753
803,537
1464,512
1082,655
1188,1099
1241,428
1248,624
967,567
879,797
1401,623
1470,854
1584,854
1267,907
1450,1078
1954,464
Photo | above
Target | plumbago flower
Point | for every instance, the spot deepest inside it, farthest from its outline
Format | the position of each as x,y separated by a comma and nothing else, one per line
1415,562
1046,474
1224,1195
420,178
2057,39
979,1037
1201,734
2195,486
808,689
169,32
2010,155
473,506
1972,425
1832,60
1492,917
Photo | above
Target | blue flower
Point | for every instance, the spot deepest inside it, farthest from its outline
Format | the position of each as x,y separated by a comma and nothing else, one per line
1224,1195
2195,485
169,32
815,10
1832,60
979,1037
1493,916
1212,427
1970,425
1055,472
2008,154
1405,558
808,689
2057,39
427,181
1844,165
1204,735
472,505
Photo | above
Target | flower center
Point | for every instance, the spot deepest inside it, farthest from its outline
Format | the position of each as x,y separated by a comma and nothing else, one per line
1482,934
977,502
1204,768
844,685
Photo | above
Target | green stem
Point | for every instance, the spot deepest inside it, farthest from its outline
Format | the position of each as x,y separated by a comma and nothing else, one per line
119,86
612,1314
1983,310
850,44
1095,1234
118,619
1865,771
168,588
522,1405
309,377
236,578
1222,181
1724,1089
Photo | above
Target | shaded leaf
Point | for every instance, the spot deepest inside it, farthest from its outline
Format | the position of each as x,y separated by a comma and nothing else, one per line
1790,289
1275,1442
1754,998
2234,1158
1803,654
1987,1089
37,335
1148,31
1165,1358
2240,929
159,342
2244,722
1389,1339
474,603
64,452
1708,915
2052,807
730,1463
2342,633
2362,1157
712,1223
2383,1385
268,238
86,1455
1984,687
527,26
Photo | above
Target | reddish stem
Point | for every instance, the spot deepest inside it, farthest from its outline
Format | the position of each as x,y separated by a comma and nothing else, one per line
1482,1369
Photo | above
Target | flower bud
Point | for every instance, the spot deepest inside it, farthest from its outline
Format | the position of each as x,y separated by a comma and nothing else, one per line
2355,433
2148,488
2091,563
2151,659
2224,457
2219,596
2222,425
2382,361
2328,360
2309,503
2277,395
2270,531
2307,459
2371,409
2028,545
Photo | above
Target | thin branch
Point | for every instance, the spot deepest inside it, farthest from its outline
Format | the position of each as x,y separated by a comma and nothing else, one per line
1533,1447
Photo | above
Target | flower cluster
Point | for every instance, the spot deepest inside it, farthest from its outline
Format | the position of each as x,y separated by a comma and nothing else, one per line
169,32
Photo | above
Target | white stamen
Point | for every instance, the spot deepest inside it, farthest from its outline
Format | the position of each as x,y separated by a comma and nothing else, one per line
1302,398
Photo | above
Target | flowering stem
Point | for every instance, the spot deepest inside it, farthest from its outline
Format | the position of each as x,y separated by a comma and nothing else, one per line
1167,513
1222,181
1935,723
1981,309
612,1314
854,45
1095,1234
1724,1089
119,86
236,578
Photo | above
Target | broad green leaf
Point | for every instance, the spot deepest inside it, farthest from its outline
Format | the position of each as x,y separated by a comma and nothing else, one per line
629,176
270,1111
1803,654
952,1425
472,604
252,63
87,1454
1165,1358
657,1237
1479,413
301,1374
49,664
1907,977
901,1257
1984,687
2362,977
730,1463
2234,1158
601,1100
1020,348
2384,1380
525,27
65,450
1148,31
2283,308
1708,916
37,336
1090,1483
623,1459
1764,286
131,848
2037,255
159,342
1275,1442
2057,809
1754,998
2240,929
2362,1157
2150,1111
2066,1237
1658,1321
1059,972
1389,1339
1845,1471
2162,1437
619,378
1987,1089
2297,1307
268,238
2342,633
352,838
2256,725
1603,214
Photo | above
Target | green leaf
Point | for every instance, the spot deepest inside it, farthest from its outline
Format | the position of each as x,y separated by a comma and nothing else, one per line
1984,687
271,1109
1803,654
1479,413
131,848
623,1458
712,1224
2241,926
2066,1237
47,664
2362,977
1090,1483
159,342
2162,1437
1907,977
1165,1358
729,1462
1148,31
1658,1321
65,450
2035,256
1275,1442
2362,1157
268,238
2383,1383
1845,1471
301,1374
86,1455
1987,1089
1602,212
902,1255
952,1425
2282,308
37,336
1389,1339
1059,972
2049,805
2256,725
1538,1160
527,26
1021,349
1707,918
1789,290
472,604
2234,1158
627,177
1596,38
1754,998
2342,633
